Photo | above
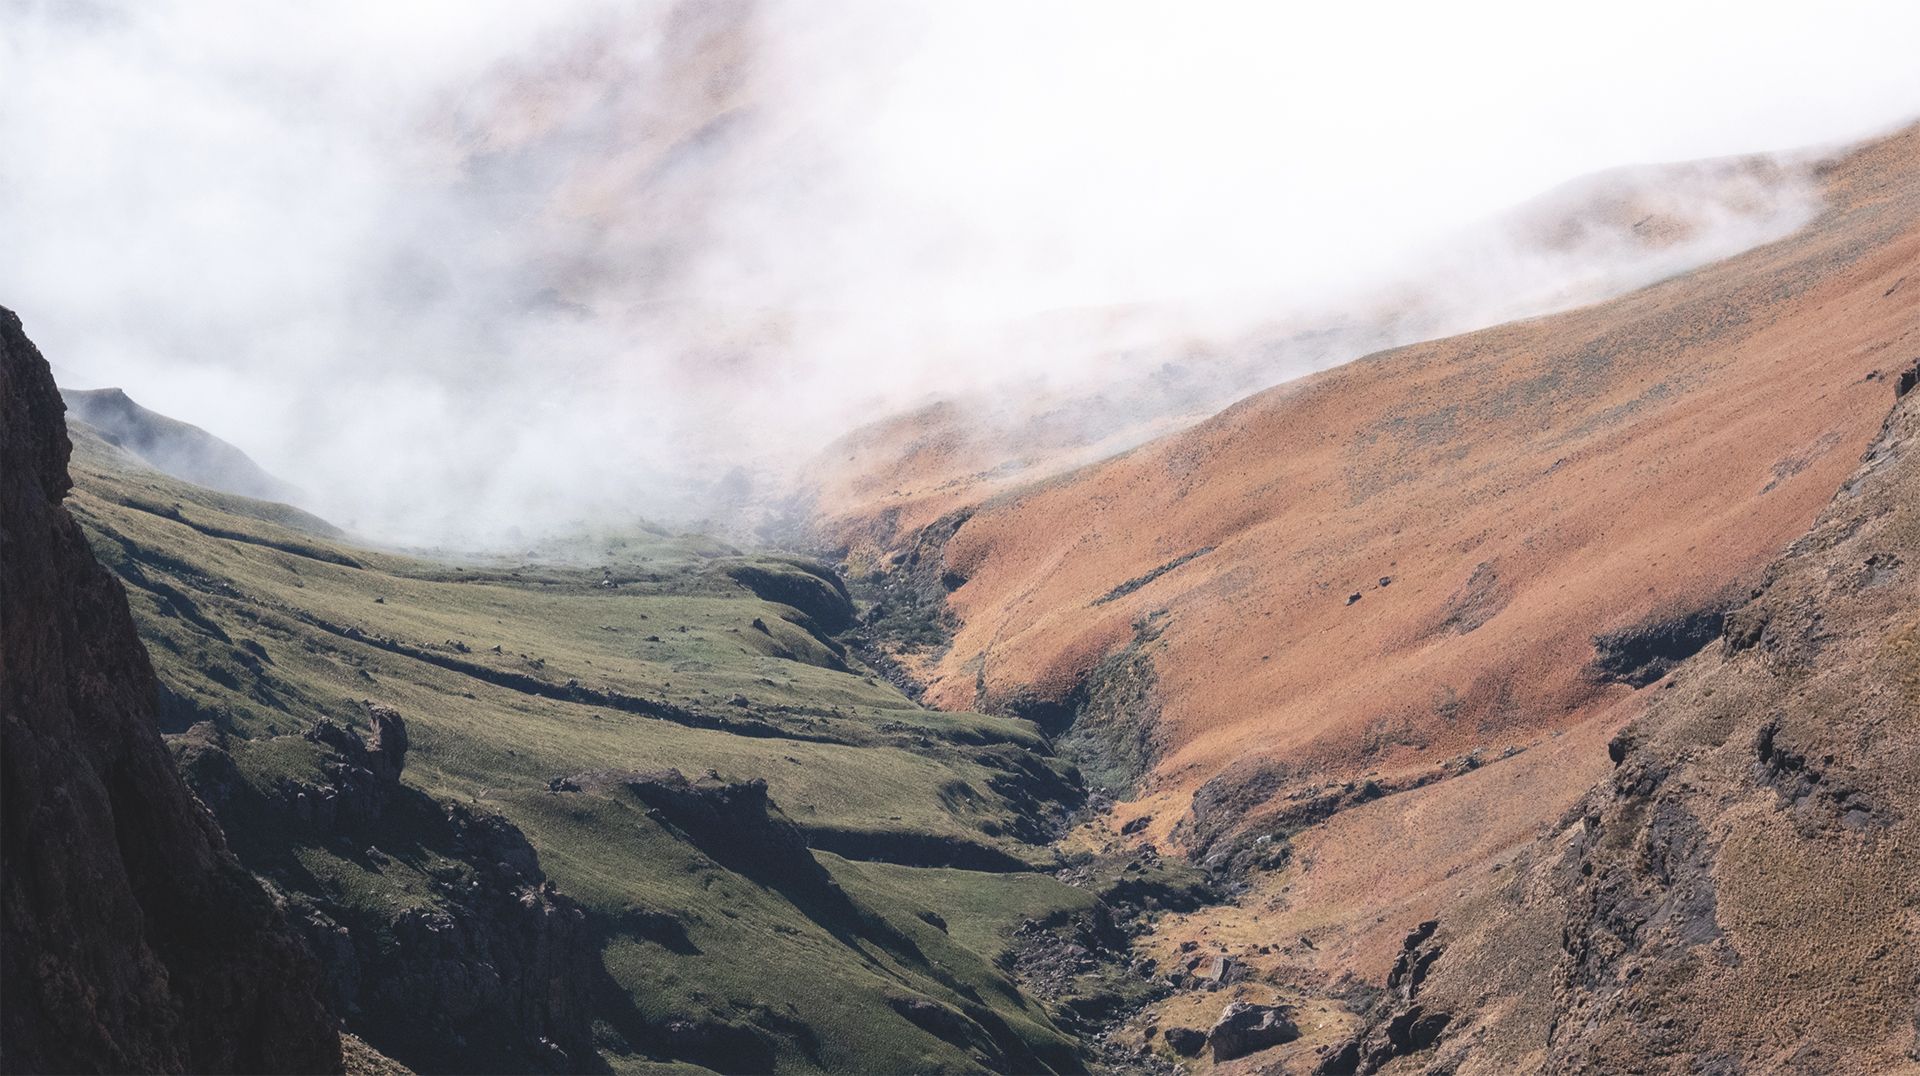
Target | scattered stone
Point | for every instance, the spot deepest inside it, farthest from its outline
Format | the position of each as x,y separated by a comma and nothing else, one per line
1353,597
1215,973
1386,580
1137,825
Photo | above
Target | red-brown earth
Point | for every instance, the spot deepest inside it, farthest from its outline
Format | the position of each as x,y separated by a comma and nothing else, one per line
1391,614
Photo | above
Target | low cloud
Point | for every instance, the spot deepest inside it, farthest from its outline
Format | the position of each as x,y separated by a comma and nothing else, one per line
476,272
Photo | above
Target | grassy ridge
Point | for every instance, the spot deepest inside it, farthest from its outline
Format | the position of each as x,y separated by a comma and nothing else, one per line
511,676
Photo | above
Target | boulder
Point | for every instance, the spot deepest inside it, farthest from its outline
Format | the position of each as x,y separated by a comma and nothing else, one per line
1215,972
1185,1040
1244,1029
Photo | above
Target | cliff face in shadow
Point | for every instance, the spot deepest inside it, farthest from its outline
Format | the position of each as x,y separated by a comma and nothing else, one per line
133,941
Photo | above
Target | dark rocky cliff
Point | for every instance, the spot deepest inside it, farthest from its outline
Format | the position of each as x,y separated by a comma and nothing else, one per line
133,941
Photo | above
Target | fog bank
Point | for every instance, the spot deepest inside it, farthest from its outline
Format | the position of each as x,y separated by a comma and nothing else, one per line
474,272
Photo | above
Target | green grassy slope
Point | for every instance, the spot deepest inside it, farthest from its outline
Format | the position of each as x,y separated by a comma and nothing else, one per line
512,678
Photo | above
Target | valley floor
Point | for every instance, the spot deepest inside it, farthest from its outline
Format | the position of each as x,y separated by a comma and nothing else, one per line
643,814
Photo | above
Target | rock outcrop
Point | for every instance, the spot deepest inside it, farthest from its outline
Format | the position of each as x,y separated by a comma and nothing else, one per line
133,940
492,968
1400,1024
736,824
363,773
497,974
811,588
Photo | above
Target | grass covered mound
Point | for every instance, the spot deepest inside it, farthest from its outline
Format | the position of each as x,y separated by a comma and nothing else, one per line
637,813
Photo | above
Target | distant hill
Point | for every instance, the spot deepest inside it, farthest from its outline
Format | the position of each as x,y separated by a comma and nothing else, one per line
178,448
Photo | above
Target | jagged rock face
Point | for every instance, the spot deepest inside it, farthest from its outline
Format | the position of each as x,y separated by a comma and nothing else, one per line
1400,1024
1742,895
134,942
499,975
498,971
497,978
364,773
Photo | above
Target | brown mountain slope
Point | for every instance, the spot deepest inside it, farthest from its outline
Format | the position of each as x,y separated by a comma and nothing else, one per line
1623,471
1743,894
133,941
1157,373
1496,501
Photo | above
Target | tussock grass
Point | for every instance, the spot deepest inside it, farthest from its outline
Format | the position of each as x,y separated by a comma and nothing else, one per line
261,620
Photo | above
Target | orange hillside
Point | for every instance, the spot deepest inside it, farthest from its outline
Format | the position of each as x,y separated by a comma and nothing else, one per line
1524,489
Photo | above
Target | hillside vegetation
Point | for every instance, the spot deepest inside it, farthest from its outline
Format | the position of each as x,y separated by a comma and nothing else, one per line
1372,631
634,814
1741,893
